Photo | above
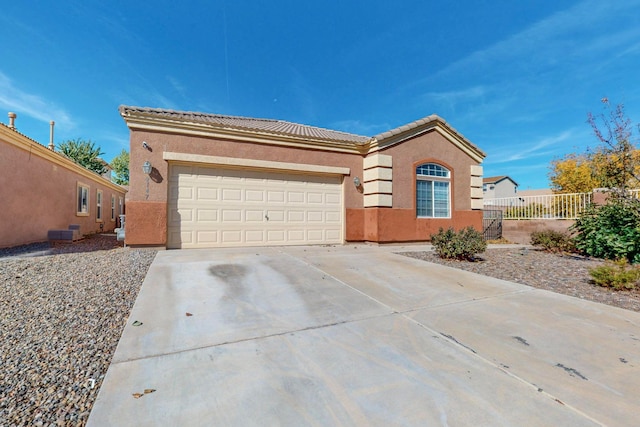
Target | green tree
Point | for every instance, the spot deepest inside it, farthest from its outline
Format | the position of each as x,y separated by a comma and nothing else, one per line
120,167
84,153
618,155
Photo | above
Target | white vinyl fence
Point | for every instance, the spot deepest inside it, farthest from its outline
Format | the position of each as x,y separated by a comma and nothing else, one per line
551,206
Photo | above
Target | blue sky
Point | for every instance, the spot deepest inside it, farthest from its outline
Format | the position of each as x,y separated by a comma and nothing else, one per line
517,78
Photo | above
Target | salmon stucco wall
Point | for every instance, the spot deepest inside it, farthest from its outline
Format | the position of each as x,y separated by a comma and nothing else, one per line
430,147
159,143
385,225
146,223
400,223
148,195
39,192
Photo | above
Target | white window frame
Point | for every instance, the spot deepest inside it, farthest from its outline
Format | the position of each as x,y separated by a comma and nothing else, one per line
113,208
434,177
98,205
82,199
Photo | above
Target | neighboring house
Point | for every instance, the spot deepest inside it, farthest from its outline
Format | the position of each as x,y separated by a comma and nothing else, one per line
496,187
43,190
213,180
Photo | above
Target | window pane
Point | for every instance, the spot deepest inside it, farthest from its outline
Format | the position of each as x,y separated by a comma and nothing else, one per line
441,199
431,169
83,200
424,198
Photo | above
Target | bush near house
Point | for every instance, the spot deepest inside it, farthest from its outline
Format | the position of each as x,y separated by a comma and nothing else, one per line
617,275
553,241
463,245
610,231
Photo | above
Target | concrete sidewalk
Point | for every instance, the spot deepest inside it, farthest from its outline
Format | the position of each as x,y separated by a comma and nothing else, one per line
357,335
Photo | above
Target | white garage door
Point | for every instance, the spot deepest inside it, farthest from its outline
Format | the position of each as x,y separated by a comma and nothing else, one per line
215,207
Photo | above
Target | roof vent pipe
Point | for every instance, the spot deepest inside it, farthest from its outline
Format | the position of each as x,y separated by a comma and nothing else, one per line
51,146
12,119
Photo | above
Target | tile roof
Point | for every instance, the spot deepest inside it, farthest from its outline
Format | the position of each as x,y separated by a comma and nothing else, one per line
433,118
276,127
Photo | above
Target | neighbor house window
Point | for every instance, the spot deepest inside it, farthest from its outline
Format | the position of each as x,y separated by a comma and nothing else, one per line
99,205
82,208
121,201
432,191
113,207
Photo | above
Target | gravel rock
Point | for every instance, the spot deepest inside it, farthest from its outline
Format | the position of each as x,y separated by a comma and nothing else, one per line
63,307
565,274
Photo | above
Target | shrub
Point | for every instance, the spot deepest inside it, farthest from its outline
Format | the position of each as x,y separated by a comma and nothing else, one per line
617,275
610,231
463,245
552,241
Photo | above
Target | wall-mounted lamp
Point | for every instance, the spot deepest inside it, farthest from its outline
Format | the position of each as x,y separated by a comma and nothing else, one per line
356,182
145,145
146,168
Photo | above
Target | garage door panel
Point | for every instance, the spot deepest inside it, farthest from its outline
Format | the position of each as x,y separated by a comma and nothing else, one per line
254,196
315,198
295,216
275,196
231,236
234,215
205,237
211,207
207,194
295,197
254,216
207,215
276,236
231,194
315,236
254,236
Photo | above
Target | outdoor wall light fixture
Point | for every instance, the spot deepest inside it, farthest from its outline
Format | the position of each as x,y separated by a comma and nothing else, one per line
146,168
356,182
145,145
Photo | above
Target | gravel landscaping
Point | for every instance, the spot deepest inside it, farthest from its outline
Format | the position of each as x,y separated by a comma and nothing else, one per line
63,310
566,274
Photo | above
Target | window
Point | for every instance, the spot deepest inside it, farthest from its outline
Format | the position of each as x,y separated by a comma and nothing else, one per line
113,207
99,205
82,208
432,191
121,206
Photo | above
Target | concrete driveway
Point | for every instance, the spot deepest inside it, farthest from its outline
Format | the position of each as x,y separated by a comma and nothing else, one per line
357,335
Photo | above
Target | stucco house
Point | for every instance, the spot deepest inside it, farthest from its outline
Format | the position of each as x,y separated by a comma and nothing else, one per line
496,187
43,191
205,180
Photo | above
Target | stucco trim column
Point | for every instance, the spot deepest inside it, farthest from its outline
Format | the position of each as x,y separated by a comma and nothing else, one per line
378,181
477,195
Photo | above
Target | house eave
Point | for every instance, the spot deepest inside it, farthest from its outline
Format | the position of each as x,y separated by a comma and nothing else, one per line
431,123
33,147
163,125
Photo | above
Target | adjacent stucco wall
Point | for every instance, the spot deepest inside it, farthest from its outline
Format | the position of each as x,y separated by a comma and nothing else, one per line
519,231
39,194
